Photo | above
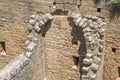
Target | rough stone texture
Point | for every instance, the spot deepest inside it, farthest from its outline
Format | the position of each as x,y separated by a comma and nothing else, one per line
59,50
20,11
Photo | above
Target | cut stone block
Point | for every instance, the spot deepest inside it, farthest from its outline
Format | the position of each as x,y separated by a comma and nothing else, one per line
89,55
82,21
31,46
35,39
36,27
59,7
86,34
86,69
78,20
30,27
94,67
86,30
94,18
32,22
96,60
93,77
27,42
88,16
33,16
87,61
84,25
74,15
28,54
48,16
84,77
99,54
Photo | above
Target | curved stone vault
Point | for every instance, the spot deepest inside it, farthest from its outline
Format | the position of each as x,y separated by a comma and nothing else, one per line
94,33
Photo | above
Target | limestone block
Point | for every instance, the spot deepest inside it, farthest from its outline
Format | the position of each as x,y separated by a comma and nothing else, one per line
44,19
87,61
101,47
32,22
28,54
84,25
48,16
93,77
35,39
30,36
36,27
84,77
86,34
99,54
59,7
74,15
30,27
94,66
89,39
86,69
59,1
41,22
96,60
31,46
89,55
77,20
88,16
101,41
94,18
82,21
33,16
86,30
27,42
74,2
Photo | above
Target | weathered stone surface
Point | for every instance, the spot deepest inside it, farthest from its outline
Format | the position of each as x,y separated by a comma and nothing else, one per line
82,21
31,46
86,69
94,66
28,54
87,61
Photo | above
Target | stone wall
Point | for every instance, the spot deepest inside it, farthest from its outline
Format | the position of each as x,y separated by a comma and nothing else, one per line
20,10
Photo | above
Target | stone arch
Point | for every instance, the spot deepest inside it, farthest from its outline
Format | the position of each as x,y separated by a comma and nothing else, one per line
94,34
93,31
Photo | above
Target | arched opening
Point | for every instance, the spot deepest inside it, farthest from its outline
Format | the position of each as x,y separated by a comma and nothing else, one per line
60,53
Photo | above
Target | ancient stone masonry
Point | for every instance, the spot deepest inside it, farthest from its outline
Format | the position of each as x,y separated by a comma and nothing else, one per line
16,69
94,32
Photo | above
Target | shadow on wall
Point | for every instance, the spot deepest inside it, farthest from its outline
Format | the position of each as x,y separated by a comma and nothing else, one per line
78,37
115,15
45,28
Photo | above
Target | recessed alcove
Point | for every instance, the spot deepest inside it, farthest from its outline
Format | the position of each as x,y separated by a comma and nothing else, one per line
2,46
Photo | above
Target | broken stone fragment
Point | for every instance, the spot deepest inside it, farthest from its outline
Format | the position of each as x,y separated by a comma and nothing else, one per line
86,69
74,15
31,46
89,38
94,66
82,21
37,27
87,61
28,54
